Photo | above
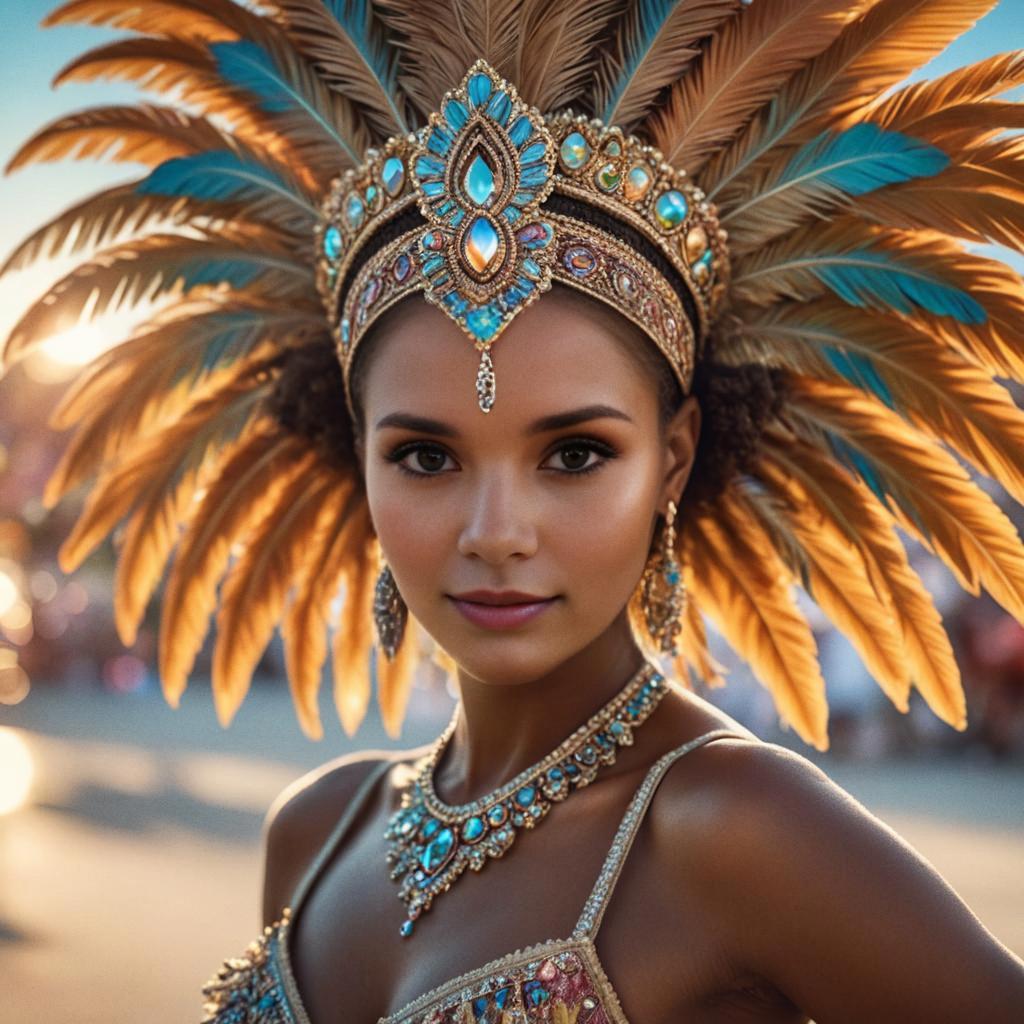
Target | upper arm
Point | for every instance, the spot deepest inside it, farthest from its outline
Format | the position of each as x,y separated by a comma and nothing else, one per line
838,912
300,820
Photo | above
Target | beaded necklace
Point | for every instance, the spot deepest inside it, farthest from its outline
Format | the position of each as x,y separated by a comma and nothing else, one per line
431,843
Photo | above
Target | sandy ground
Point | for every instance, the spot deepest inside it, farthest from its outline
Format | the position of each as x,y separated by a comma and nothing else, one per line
135,868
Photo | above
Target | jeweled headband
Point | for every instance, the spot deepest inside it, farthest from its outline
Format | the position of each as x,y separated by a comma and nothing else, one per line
490,201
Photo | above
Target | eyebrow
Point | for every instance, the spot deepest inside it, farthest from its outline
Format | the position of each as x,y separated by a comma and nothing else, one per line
546,424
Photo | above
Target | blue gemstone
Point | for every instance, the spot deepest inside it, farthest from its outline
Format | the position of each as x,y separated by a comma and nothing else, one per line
430,826
444,207
440,141
496,815
371,194
345,332
456,303
574,151
523,197
555,774
670,209
532,270
432,188
525,796
572,770
525,286
393,175
354,210
479,89
501,997
520,131
406,929
511,214
435,263
428,167
673,577
456,218
332,243
436,852
616,728
484,322
535,992
500,107
534,152
480,1007
534,175
479,181
705,260
456,114
473,829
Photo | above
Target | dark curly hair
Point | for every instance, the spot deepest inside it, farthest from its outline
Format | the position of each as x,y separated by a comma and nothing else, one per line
736,404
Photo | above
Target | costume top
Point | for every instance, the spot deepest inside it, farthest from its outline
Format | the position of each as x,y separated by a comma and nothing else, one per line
557,980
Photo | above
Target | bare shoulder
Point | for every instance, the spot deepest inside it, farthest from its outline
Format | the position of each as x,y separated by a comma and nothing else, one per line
823,899
301,818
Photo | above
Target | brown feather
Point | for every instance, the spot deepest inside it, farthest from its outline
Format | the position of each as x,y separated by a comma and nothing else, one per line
873,53
813,478
191,593
737,74
929,492
741,583
626,99
341,64
256,587
207,21
142,269
352,643
557,51
394,679
143,133
696,655
306,619
935,387
163,461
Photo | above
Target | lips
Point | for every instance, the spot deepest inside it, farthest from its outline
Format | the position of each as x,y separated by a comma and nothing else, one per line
500,610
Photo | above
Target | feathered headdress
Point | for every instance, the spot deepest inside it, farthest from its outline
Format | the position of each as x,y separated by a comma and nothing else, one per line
847,200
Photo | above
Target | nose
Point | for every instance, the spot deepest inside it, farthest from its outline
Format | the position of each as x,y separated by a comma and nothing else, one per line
499,523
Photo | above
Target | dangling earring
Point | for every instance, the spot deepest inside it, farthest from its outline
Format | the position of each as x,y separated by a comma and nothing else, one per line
389,613
664,594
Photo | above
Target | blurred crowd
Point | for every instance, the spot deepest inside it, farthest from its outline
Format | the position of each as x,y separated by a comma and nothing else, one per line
58,631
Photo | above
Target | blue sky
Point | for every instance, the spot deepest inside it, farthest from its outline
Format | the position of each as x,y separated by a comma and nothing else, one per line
30,56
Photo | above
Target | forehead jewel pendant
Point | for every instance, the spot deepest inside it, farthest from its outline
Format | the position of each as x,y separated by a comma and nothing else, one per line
481,169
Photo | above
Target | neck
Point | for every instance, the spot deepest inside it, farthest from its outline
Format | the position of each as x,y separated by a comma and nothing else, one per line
484,752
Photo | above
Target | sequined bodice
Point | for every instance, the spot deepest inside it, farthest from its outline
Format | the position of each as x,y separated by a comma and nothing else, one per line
559,981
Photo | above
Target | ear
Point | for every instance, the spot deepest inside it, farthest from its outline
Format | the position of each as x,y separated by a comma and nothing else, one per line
681,435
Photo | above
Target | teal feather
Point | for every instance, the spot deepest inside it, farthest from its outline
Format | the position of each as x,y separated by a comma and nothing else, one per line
225,176
860,370
861,159
249,66
864,277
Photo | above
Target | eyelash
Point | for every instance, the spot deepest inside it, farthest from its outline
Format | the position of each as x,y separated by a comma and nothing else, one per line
599,447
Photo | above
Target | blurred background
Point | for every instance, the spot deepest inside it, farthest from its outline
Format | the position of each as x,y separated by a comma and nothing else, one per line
130,832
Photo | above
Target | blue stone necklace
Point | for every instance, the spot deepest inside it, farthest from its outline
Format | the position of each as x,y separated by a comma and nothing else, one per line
431,843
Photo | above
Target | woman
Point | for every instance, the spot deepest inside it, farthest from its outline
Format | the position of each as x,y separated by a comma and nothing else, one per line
689,405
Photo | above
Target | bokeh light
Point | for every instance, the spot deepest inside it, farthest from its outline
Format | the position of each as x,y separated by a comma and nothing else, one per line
16,771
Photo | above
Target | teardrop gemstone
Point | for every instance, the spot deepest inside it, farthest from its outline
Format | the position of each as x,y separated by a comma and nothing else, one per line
436,852
393,175
481,244
479,181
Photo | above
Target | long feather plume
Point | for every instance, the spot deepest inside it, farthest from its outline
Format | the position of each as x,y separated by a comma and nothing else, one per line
749,58
654,44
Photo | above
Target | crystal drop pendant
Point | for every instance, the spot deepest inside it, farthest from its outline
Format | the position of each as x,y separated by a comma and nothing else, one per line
481,244
479,181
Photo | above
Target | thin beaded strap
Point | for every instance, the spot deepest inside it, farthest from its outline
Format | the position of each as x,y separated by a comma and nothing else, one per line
600,895
337,834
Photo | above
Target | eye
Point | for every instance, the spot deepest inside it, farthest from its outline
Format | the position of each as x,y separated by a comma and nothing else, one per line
579,457
421,459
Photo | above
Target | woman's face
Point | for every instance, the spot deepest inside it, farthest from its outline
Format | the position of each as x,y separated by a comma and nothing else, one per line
548,501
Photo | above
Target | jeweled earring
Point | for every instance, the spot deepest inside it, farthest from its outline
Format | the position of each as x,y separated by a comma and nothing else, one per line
664,594
389,613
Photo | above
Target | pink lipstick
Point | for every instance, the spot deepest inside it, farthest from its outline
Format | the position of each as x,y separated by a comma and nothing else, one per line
506,609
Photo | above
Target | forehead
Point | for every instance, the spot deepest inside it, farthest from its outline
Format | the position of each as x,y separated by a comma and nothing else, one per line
561,352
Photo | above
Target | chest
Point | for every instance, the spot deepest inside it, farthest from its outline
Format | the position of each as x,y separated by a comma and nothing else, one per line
351,964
